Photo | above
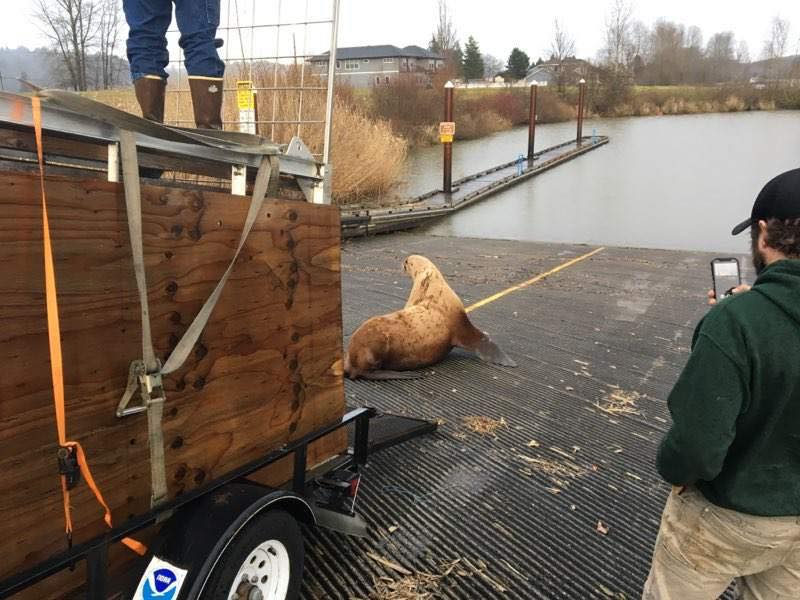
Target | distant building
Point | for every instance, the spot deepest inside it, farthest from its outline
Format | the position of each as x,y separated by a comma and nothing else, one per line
574,69
367,66
543,74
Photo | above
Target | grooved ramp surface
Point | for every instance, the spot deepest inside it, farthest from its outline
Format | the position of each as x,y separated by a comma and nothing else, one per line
520,507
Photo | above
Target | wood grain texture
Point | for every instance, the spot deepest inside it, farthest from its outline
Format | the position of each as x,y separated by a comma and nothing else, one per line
266,370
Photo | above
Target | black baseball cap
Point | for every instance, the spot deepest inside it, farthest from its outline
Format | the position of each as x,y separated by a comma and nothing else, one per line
779,199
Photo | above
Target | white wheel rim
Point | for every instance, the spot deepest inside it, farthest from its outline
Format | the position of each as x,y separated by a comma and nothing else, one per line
264,574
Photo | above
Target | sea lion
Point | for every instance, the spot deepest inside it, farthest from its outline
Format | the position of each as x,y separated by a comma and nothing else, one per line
421,334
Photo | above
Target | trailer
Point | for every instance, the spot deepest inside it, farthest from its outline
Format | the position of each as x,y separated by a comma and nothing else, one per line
192,305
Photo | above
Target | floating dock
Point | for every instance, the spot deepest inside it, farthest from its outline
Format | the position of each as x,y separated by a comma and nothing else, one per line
562,500
466,191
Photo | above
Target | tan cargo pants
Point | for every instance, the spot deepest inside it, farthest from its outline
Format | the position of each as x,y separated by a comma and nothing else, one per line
701,548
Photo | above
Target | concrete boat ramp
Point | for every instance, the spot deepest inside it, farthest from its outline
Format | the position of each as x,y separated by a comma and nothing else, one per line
561,499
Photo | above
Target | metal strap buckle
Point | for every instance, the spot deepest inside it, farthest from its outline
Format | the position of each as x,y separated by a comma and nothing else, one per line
149,385
68,466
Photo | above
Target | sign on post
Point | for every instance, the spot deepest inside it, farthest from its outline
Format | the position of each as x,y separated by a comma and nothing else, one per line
447,129
245,98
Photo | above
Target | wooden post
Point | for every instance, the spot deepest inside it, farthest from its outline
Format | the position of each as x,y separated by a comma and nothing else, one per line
447,184
581,100
532,120
255,111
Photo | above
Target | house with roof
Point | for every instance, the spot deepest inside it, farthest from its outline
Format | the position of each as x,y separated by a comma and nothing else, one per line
367,66
571,69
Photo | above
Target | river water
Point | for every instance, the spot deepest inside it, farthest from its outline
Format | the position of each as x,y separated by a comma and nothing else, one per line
677,182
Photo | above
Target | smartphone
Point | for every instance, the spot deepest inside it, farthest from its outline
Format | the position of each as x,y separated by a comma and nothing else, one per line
726,275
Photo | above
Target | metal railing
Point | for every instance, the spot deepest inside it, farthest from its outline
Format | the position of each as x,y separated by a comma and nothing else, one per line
271,43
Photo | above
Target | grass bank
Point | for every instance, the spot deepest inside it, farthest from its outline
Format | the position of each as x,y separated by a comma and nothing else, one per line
414,112
682,100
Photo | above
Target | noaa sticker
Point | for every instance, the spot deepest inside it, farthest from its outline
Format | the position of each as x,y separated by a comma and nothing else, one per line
161,581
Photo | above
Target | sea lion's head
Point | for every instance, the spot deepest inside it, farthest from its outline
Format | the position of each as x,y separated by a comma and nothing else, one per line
415,265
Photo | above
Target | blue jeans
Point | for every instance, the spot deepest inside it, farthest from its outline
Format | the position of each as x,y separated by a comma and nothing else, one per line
147,42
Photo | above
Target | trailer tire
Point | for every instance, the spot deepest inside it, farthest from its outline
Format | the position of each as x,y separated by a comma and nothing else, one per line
264,550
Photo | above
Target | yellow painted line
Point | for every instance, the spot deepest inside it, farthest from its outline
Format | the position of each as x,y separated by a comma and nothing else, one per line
530,282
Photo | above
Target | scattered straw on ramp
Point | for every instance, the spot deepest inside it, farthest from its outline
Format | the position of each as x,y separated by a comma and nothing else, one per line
421,585
620,402
484,426
559,472
414,586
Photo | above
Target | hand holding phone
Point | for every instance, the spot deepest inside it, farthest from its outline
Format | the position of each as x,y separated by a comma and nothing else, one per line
726,277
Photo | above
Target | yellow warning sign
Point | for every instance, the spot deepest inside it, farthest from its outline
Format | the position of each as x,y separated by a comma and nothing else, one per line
244,95
446,139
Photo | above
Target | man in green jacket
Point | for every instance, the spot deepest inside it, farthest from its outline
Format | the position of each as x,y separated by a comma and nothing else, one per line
733,452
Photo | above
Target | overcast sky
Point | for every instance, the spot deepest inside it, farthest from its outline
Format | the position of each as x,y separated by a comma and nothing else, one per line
498,25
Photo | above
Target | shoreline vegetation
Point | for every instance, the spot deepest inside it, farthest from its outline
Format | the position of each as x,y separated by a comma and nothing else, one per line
374,129
481,112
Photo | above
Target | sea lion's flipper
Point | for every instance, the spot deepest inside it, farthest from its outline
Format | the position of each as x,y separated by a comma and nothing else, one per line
381,375
490,352
473,339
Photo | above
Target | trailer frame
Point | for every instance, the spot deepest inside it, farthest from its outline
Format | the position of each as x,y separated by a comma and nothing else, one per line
95,551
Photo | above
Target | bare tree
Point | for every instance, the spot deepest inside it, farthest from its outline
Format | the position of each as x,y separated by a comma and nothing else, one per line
721,55
71,26
691,61
444,40
742,52
640,40
694,37
562,46
775,45
667,53
445,37
108,37
492,65
619,21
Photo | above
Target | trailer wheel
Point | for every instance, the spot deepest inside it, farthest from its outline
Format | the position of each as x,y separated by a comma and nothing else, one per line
264,561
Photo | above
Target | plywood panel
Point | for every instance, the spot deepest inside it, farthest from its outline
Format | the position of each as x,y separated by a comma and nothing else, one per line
267,369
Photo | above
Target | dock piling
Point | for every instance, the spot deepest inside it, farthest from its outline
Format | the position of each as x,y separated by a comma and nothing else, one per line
447,184
581,101
532,120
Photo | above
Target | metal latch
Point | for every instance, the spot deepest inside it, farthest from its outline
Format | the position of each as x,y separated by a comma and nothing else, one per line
68,466
149,385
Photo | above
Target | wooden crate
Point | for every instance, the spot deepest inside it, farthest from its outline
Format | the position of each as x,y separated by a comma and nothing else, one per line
267,369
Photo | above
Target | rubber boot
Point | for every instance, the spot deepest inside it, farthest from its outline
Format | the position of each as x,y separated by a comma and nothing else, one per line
207,101
150,92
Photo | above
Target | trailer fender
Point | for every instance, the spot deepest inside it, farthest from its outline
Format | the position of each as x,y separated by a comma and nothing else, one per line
198,538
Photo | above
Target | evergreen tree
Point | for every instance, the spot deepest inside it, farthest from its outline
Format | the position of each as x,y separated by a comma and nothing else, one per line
473,61
455,57
518,63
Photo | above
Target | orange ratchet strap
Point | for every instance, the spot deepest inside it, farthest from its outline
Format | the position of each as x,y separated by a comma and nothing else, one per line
56,360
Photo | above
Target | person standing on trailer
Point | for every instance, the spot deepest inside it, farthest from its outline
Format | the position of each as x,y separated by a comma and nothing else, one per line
148,55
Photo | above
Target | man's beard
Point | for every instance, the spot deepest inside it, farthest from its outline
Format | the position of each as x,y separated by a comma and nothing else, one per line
759,262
